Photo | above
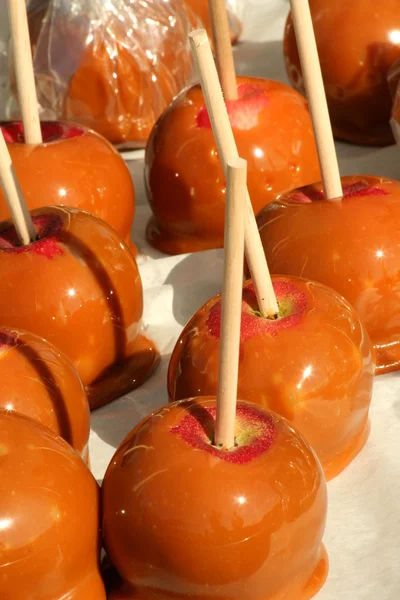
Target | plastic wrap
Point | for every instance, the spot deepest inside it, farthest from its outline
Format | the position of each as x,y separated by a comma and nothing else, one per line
112,66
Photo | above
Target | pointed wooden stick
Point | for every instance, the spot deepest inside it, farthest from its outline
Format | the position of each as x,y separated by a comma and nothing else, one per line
223,48
19,211
231,304
227,150
315,91
24,71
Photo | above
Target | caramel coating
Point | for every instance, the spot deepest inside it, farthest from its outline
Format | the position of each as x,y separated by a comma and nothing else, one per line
185,183
79,287
49,516
83,171
357,43
314,365
36,380
182,518
351,245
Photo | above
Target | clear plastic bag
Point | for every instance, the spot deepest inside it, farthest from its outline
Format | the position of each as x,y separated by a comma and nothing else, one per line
112,65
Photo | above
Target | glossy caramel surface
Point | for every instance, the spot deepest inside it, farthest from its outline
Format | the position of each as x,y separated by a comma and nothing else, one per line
358,41
83,171
314,367
184,178
49,516
79,287
350,245
184,519
36,380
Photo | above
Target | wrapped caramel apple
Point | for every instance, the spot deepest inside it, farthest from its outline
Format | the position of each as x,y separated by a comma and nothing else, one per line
358,41
112,66
38,381
49,516
77,285
198,10
72,167
312,364
349,244
184,177
185,518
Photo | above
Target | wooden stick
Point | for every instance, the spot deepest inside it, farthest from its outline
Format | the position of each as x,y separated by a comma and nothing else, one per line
24,71
223,48
314,85
19,211
227,150
231,304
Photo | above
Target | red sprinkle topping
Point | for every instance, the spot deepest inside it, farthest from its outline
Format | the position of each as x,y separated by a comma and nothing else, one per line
256,426
291,298
48,228
52,131
243,112
360,188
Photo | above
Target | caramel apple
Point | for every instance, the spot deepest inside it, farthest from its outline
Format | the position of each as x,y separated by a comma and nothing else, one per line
184,178
115,77
350,244
36,380
200,11
78,286
358,41
183,518
313,365
49,517
73,167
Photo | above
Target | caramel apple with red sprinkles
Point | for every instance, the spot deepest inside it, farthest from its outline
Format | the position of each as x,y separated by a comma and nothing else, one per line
350,245
313,364
184,178
36,380
85,296
73,166
49,515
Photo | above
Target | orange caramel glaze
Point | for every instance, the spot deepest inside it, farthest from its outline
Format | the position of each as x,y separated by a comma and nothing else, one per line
49,514
182,518
350,245
36,380
184,178
314,365
73,167
79,287
358,41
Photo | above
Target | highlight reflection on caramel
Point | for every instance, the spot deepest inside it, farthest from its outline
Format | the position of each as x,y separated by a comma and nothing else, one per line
36,380
355,52
49,511
73,167
314,365
350,245
185,183
183,519
79,287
